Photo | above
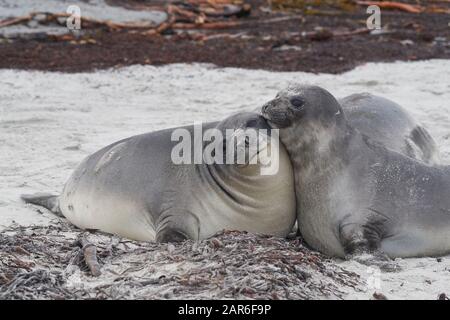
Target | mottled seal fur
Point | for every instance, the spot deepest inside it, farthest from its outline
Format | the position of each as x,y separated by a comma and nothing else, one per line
355,195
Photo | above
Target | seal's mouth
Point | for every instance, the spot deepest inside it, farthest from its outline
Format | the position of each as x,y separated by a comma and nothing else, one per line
256,155
276,120
252,152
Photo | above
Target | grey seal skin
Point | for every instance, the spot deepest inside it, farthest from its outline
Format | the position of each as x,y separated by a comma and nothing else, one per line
355,197
389,124
133,189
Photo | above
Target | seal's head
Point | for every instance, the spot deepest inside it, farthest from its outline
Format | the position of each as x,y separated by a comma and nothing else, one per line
310,119
300,104
247,142
243,120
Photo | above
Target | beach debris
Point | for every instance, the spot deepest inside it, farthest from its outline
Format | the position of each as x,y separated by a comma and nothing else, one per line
321,34
230,265
379,296
336,7
314,6
90,255
407,42
50,17
193,14
411,8
197,20
407,7
187,15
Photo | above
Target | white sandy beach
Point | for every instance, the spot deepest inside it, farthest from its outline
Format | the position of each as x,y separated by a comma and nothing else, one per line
50,121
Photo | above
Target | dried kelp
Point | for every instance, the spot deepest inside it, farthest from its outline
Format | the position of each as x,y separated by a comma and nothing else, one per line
46,262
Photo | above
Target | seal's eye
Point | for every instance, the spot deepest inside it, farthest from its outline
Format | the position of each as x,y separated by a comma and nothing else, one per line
297,102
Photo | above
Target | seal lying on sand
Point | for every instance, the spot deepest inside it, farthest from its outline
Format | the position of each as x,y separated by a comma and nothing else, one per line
355,196
126,196
133,189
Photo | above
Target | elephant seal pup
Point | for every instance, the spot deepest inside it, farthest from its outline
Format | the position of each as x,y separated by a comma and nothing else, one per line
389,124
355,196
133,189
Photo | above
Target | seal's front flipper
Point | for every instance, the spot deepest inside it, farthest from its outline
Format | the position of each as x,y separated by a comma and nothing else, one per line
46,200
361,242
170,235
177,226
428,147
374,259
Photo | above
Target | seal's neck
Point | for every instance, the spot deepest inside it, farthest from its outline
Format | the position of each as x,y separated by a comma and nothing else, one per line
235,174
316,151
233,182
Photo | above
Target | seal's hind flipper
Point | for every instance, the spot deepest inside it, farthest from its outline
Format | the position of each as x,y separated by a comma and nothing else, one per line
46,200
426,144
